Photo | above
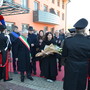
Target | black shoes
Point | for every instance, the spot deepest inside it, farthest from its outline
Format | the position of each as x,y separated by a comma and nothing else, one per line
29,77
22,78
8,79
34,73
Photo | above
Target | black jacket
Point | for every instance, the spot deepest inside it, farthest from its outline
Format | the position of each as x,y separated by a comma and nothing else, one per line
49,62
23,55
32,39
3,41
77,52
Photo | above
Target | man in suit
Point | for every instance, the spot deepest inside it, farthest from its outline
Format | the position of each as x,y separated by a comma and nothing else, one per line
58,41
32,40
76,51
13,37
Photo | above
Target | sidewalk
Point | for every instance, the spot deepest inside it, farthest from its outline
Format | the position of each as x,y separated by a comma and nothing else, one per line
37,84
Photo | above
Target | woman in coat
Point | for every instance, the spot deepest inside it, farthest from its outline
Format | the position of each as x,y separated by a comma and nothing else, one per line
40,40
49,62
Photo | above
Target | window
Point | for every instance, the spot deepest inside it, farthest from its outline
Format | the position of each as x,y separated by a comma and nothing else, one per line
45,8
53,1
58,2
63,4
58,13
62,16
9,26
36,5
52,11
25,26
45,29
24,3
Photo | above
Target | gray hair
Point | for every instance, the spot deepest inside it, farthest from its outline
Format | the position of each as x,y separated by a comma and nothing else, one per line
24,31
57,31
80,31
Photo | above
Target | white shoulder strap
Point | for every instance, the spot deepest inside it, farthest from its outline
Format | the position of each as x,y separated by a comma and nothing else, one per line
8,41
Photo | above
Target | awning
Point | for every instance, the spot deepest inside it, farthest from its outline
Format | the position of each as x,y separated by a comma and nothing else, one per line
12,8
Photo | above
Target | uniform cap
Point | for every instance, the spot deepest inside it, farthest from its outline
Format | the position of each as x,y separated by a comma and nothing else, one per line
81,24
72,30
2,27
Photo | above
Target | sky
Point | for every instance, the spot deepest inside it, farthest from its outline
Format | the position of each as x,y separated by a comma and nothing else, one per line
77,9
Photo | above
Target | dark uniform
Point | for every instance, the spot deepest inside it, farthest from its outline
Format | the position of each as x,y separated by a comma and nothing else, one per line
58,41
88,71
3,56
77,51
89,75
13,41
32,39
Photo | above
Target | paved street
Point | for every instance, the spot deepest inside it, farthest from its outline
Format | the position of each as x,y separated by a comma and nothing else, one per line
37,84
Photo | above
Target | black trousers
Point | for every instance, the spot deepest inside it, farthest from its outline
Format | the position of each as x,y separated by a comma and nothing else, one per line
40,65
51,77
88,85
4,70
59,63
33,63
27,73
14,62
89,76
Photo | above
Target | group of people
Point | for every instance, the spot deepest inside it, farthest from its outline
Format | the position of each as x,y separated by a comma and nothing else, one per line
25,45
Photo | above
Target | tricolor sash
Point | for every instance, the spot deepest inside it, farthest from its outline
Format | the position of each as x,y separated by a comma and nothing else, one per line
15,34
24,41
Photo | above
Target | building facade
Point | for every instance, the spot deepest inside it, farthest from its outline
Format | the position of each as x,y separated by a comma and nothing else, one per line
47,15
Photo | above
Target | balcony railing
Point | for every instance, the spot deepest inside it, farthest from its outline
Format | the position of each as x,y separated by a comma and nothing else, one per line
12,8
45,17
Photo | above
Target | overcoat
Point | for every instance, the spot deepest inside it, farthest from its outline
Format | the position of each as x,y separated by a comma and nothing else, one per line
49,62
77,52
23,55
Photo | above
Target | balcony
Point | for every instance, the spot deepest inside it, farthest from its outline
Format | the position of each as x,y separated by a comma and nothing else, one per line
45,17
12,8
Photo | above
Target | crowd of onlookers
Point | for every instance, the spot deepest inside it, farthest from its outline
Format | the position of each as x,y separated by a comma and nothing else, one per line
24,46
25,59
